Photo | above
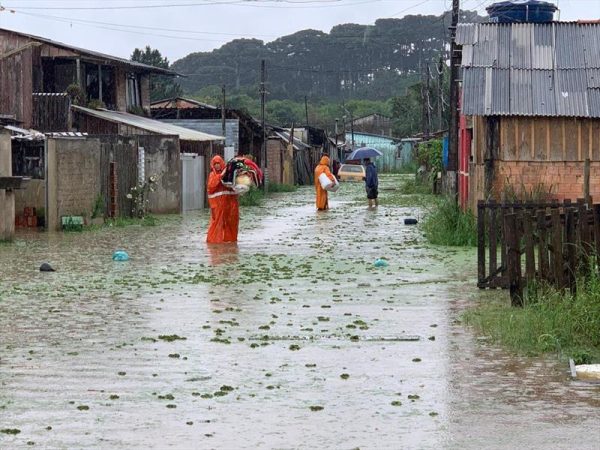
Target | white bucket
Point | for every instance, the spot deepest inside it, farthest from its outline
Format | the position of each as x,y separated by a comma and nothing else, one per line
327,184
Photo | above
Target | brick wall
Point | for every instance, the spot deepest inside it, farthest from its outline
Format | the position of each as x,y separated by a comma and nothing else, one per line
561,180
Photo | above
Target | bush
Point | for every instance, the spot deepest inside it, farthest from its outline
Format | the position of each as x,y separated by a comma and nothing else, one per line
414,186
447,224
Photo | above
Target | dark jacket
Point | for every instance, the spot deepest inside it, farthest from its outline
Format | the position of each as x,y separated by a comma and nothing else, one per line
371,179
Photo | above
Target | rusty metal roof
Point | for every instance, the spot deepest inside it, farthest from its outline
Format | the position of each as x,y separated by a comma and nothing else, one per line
531,69
151,125
180,103
97,56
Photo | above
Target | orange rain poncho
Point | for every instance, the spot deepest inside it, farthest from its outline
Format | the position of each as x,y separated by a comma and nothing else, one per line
224,207
323,167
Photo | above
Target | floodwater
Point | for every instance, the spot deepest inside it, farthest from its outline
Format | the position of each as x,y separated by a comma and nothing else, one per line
290,340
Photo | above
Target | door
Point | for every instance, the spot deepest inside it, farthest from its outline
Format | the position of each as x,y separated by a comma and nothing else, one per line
193,182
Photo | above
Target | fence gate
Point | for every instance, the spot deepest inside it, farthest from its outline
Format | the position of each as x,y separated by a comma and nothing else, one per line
193,182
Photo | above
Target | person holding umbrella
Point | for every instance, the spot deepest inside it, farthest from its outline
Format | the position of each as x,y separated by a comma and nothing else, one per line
371,183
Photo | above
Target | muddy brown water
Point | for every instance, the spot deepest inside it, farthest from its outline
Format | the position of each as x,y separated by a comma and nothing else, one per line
304,341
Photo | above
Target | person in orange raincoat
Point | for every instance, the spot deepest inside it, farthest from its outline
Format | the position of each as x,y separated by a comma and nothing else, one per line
224,206
323,167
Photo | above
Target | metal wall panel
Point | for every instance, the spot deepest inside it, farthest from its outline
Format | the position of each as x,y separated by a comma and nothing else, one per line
569,46
501,91
542,50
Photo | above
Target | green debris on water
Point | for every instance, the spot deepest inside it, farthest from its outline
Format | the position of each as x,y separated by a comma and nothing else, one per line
396,403
10,431
114,397
83,408
171,406
316,408
294,347
166,397
171,337
174,355
344,376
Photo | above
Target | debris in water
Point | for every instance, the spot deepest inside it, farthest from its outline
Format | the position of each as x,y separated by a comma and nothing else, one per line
45,267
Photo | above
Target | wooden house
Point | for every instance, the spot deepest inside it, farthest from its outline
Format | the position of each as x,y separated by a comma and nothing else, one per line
36,73
530,111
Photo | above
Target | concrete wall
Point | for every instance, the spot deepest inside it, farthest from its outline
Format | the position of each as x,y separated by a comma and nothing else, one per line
74,183
7,203
275,149
163,158
34,195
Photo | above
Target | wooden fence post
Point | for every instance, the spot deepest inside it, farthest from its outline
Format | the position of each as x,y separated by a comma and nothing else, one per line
529,247
513,260
557,254
493,238
570,248
543,245
480,243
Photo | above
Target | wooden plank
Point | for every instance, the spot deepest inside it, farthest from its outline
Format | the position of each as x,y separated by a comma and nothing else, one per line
578,140
493,236
542,245
586,180
503,211
548,146
480,243
514,260
557,251
582,237
570,249
529,246
564,140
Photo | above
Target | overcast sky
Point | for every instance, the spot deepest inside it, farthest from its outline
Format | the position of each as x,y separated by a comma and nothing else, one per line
117,27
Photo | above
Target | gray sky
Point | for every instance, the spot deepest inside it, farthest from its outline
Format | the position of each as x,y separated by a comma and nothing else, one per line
179,30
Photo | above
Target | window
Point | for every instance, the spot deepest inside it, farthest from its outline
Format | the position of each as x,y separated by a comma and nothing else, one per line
133,91
351,168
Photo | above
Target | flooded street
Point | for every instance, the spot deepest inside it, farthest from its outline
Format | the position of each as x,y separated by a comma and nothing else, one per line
291,339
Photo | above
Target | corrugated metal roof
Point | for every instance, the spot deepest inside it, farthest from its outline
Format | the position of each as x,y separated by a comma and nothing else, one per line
594,102
147,124
531,69
465,33
180,103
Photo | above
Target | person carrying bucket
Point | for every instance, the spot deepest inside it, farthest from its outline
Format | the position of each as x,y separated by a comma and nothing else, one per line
224,206
322,168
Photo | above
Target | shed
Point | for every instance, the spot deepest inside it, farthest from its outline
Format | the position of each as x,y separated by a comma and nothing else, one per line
530,110
390,161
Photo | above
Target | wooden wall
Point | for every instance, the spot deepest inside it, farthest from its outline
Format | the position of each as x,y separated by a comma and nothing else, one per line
540,139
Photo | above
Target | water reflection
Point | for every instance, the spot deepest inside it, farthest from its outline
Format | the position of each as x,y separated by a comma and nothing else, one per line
220,254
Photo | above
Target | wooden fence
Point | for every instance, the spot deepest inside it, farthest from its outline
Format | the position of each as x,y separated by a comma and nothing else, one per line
555,241
51,112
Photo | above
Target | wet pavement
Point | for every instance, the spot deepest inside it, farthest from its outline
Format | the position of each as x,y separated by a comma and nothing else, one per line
291,339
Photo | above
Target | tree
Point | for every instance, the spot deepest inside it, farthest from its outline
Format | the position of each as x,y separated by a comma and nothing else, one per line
161,86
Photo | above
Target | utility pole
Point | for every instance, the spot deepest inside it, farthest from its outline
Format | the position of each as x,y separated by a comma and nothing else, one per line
352,129
428,102
223,127
440,102
424,106
306,108
263,156
455,57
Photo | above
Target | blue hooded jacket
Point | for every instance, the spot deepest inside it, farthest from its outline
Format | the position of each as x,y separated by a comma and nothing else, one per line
371,178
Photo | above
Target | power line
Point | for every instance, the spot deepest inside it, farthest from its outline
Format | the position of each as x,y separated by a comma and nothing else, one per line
287,4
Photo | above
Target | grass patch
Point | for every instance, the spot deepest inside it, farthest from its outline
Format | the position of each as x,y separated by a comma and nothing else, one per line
550,322
254,197
414,186
447,224
280,187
